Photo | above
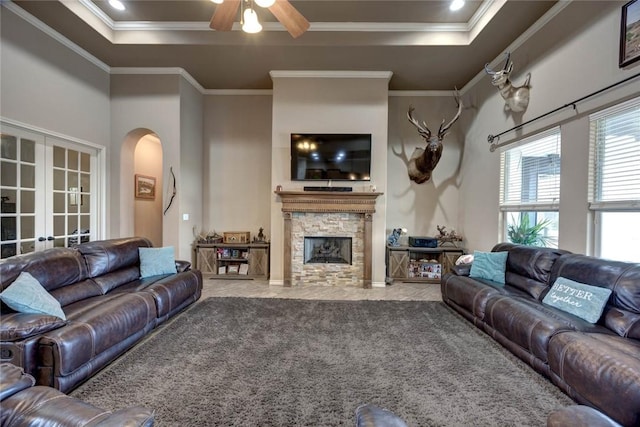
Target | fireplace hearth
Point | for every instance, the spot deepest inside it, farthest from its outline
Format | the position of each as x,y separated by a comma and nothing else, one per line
327,250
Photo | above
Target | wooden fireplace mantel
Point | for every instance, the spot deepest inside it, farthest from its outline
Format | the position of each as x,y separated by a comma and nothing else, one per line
328,201
358,202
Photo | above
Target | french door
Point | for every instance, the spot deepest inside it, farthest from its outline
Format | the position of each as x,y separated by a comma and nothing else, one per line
49,188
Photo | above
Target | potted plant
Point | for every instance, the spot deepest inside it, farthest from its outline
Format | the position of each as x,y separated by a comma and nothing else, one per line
524,233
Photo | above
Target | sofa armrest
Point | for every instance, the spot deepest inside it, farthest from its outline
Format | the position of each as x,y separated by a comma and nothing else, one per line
13,379
461,269
580,416
20,326
183,266
136,416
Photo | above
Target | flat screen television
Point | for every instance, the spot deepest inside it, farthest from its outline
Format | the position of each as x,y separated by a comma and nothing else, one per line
330,156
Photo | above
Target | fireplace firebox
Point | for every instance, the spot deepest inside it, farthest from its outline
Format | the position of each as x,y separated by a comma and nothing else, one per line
327,250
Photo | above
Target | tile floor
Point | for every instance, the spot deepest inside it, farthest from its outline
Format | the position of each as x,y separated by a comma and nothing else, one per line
262,289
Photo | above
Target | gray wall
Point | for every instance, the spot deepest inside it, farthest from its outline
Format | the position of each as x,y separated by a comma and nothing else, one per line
573,55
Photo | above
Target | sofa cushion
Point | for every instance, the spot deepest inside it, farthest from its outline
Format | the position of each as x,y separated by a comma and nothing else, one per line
622,312
26,295
489,266
106,256
157,261
52,268
585,301
529,267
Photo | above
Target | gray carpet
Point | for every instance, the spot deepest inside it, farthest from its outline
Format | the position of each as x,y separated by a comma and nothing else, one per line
279,362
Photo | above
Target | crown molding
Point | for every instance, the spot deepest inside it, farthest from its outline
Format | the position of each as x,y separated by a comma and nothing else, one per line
159,71
345,74
421,93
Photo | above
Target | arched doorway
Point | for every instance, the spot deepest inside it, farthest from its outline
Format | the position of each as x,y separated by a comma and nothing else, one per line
142,174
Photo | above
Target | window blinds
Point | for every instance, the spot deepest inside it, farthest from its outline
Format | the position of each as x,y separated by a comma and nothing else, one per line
615,158
530,173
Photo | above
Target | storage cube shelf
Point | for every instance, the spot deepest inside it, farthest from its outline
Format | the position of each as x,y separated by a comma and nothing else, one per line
417,264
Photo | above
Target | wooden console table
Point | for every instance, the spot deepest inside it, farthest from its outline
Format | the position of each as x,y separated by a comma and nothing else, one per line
233,260
415,264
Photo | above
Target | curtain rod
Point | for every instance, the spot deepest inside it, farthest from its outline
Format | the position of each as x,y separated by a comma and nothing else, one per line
491,138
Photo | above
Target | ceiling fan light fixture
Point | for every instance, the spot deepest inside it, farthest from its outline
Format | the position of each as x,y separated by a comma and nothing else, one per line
217,1
251,24
265,3
456,5
116,4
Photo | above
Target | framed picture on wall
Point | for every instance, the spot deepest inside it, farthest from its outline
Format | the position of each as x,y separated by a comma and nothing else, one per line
145,187
630,33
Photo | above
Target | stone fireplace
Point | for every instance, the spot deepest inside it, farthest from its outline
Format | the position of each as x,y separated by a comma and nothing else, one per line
323,225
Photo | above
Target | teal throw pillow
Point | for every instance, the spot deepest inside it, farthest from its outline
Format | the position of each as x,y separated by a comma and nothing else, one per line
489,266
584,301
26,295
156,261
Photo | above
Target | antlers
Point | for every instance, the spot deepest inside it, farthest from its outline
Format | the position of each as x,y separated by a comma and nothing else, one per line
508,66
424,131
445,128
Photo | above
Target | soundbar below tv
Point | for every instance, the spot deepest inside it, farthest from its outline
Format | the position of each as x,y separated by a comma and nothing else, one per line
330,156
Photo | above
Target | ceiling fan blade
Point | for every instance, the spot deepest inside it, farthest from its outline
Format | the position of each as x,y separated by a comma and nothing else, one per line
293,21
225,14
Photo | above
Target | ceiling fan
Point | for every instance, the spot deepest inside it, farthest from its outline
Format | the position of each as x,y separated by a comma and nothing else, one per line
289,17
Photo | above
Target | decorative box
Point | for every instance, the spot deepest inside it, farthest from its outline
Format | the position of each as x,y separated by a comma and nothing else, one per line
236,236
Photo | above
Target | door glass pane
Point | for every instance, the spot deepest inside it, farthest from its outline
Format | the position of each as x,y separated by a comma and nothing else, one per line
27,227
58,180
8,227
8,147
85,162
8,175
26,247
8,198
72,180
59,157
85,205
85,182
59,202
59,243
72,206
27,201
72,221
58,225
85,220
73,160
8,249
27,151
27,176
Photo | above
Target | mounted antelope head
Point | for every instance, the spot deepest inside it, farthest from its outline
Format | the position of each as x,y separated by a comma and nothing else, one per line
424,161
516,97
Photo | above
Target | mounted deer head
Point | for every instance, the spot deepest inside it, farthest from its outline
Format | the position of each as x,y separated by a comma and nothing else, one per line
424,161
516,97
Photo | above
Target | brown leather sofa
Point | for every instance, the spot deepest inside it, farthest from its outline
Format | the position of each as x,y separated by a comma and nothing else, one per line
24,404
596,364
108,308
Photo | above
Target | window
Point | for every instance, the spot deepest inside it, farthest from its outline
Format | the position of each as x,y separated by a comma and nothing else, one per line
530,190
615,181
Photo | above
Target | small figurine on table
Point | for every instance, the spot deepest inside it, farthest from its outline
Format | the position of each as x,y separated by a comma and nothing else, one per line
260,238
